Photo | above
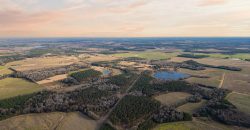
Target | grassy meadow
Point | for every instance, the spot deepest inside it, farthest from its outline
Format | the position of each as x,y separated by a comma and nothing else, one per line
241,101
4,70
172,97
11,87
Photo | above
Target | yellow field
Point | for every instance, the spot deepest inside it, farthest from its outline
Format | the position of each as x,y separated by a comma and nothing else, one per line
196,124
172,98
241,101
42,62
191,107
49,121
10,87
4,70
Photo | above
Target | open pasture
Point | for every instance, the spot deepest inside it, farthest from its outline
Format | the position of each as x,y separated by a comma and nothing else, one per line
49,121
10,87
172,98
42,62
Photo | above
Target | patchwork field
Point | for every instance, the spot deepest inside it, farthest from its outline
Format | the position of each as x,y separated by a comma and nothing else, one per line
191,107
42,62
149,55
172,98
49,121
196,124
4,70
10,87
241,101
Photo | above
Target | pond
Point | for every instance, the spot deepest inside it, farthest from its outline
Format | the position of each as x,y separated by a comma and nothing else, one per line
106,72
167,75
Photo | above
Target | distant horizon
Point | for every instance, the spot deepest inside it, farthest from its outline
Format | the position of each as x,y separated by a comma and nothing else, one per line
126,37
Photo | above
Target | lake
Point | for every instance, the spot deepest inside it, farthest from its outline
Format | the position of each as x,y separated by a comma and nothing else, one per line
167,75
106,72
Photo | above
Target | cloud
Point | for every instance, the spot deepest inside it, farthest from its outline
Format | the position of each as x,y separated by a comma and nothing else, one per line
212,2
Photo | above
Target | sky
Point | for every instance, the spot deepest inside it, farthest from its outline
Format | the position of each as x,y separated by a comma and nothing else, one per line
124,18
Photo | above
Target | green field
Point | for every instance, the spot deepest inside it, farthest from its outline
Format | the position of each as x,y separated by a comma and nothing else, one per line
149,55
241,101
4,70
191,107
197,124
241,56
10,87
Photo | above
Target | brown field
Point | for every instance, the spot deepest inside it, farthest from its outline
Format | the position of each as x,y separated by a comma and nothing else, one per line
172,98
42,62
49,121
53,79
191,107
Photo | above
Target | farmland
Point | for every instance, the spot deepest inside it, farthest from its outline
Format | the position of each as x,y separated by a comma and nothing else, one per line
11,87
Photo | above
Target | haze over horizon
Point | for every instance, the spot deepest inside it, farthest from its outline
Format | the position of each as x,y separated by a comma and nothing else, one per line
124,18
